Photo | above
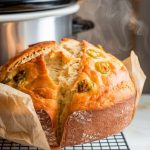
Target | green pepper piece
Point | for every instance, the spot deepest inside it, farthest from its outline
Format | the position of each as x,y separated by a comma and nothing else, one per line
102,67
95,54
100,47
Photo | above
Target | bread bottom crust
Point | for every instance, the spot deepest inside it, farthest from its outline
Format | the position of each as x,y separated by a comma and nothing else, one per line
87,126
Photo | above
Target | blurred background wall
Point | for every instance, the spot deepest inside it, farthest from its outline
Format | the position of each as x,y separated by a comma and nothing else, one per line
120,26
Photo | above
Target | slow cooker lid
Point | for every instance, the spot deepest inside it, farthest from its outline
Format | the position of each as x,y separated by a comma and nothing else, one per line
20,6
32,1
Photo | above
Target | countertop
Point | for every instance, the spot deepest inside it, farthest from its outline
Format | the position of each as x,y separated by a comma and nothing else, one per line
137,133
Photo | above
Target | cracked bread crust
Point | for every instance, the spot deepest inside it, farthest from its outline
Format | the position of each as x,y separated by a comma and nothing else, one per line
92,93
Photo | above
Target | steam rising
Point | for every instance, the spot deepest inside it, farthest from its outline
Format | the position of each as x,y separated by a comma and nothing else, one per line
116,25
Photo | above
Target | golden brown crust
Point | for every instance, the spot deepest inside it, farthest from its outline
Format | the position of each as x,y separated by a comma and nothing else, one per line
108,88
28,54
86,126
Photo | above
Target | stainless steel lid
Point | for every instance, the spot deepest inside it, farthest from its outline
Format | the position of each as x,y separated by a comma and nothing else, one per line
39,14
21,6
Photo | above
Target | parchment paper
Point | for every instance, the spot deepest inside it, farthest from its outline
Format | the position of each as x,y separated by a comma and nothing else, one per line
18,119
137,75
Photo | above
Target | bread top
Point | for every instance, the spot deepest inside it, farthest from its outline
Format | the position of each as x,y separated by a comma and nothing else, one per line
68,77
103,81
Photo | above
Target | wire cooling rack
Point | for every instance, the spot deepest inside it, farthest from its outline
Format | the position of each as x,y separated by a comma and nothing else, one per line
115,142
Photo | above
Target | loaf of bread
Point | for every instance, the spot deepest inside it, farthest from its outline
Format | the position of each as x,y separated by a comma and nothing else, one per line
80,92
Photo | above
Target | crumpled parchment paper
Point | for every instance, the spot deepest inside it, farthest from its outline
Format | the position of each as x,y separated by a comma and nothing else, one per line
19,121
137,75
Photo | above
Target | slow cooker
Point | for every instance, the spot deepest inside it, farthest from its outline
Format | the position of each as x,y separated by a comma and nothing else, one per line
24,22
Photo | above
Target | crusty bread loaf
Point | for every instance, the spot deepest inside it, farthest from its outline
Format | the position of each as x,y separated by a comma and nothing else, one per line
80,92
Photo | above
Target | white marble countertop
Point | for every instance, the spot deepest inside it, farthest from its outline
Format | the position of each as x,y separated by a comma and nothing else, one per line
138,132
